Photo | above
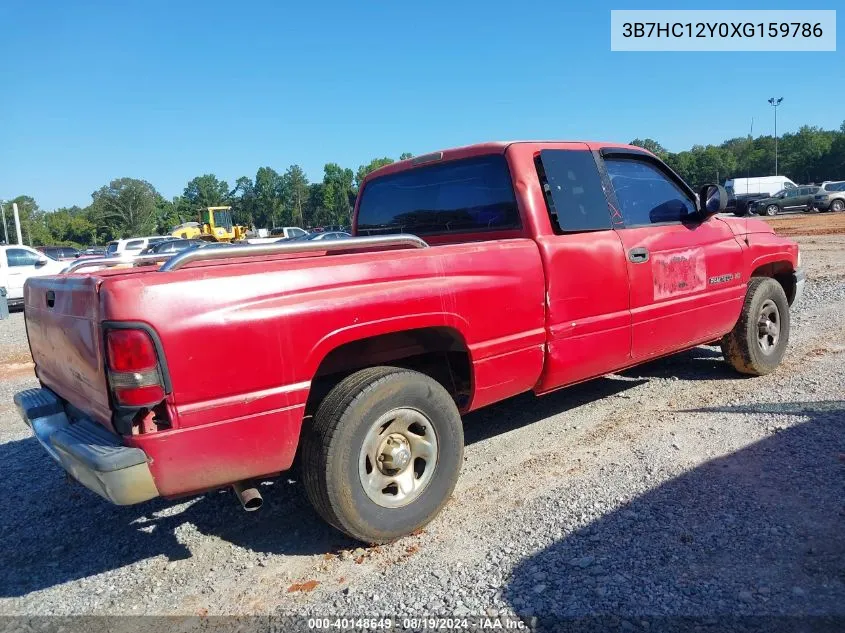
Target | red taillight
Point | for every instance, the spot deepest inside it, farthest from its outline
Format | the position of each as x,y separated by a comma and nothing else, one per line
133,370
130,350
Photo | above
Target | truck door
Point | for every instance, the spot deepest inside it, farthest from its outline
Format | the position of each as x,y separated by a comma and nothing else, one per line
588,318
685,274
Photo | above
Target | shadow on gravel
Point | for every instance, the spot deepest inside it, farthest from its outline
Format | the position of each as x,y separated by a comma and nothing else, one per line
60,531
737,543
698,363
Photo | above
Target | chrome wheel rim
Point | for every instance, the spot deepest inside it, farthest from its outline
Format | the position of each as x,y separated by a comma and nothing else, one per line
398,457
838,205
768,327
772,210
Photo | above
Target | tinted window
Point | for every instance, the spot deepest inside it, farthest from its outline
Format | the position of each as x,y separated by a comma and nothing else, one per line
132,244
646,195
70,252
52,253
474,194
573,191
835,186
20,257
792,193
111,248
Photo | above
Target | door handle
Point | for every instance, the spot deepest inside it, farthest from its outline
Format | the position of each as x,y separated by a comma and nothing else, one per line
638,255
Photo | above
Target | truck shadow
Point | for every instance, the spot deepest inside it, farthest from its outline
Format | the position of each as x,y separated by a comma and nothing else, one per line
77,535
741,541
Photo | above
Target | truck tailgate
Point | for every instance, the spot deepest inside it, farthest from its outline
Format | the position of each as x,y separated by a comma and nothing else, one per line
63,325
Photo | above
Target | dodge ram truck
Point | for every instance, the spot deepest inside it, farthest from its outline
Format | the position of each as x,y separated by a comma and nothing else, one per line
473,275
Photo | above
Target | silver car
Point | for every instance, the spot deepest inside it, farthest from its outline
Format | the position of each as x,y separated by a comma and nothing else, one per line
831,196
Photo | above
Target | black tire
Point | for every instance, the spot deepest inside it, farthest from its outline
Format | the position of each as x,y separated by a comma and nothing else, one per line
771,210
837,206
741,346
332,444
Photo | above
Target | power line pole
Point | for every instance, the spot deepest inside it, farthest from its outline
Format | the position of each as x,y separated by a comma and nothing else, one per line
775,102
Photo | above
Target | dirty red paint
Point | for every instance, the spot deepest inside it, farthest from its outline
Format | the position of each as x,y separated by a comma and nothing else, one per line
679,272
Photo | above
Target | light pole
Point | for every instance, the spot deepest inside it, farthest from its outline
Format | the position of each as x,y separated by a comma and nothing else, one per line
5,230
775,102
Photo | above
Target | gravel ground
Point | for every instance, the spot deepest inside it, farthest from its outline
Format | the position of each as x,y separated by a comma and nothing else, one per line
674,488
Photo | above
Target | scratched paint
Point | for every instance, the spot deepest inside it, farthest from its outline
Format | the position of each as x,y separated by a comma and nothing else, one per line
678,273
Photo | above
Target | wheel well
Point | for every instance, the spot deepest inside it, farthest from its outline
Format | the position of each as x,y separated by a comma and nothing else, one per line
439,352
782,272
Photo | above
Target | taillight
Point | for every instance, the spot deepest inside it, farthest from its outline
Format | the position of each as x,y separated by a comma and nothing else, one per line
133,368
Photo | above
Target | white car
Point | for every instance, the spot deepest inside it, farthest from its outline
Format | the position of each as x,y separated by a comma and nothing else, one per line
133,245
18,263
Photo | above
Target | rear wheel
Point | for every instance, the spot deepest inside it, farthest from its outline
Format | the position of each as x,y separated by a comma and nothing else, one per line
772,209
758,341
383,453
837,205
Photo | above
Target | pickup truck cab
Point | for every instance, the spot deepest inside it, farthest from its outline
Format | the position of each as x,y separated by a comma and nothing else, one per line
475,274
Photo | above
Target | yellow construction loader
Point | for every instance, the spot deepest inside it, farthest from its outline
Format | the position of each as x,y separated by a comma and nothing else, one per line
215,225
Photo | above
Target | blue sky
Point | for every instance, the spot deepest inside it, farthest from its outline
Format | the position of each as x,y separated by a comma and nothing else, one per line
166,91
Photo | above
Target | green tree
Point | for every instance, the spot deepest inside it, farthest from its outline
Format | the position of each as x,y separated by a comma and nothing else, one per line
338,193
206,191
405,155
268,198
295,192
127,206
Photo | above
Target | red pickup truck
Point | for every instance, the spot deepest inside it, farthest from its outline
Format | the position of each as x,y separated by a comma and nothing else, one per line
544,264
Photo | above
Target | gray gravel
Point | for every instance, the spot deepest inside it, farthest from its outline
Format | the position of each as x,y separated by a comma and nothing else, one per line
674,488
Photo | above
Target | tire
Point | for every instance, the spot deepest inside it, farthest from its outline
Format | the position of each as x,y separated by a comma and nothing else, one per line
351,418
837,205
743,347
772,210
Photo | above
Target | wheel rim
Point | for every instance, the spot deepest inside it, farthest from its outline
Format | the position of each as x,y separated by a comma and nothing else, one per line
768,327
772,209
838,205
398,457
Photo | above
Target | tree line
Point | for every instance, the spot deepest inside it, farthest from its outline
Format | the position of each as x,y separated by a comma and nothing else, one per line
128,207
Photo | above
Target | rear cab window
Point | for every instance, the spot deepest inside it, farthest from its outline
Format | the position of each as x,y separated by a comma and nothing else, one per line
573,191
469,195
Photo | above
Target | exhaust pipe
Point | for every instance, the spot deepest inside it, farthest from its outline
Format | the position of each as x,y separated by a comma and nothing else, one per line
248,495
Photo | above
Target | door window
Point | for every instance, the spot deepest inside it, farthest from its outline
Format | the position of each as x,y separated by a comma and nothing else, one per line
132,245
646,195
572,188
20,257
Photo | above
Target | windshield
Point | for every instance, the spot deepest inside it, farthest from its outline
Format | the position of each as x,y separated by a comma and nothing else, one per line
111,249
469,195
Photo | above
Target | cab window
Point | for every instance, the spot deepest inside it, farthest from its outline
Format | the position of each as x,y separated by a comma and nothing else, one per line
572,188
646,195
20,257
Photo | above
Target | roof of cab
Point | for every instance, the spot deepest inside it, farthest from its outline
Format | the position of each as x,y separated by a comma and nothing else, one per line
479,149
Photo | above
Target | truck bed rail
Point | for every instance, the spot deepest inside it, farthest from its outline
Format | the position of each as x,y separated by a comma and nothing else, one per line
203,254
178,260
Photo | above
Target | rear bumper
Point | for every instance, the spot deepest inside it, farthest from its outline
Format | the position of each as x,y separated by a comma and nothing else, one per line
800,281
92,455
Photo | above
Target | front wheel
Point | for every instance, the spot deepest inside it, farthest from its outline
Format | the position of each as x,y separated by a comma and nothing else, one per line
772,209
758,341
383,453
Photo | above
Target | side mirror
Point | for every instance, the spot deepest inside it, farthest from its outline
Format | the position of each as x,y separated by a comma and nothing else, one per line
712,199
42,261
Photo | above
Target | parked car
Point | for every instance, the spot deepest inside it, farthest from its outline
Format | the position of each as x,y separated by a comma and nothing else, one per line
133,245
363,362
765,185
172,246
328,235
94,251
19,263
794,199
288,232
60,253
830,196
